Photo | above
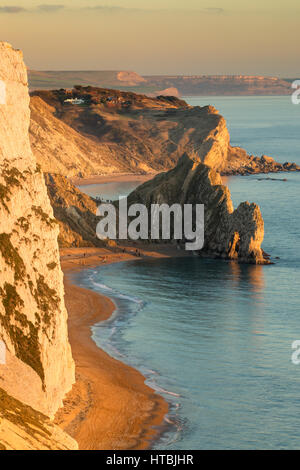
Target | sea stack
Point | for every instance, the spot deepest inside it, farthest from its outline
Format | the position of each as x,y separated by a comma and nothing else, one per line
229,234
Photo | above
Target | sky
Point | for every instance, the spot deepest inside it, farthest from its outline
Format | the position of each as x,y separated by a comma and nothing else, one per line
190,37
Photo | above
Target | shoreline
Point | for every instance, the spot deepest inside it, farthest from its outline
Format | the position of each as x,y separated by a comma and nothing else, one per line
112,178
110,407
129,177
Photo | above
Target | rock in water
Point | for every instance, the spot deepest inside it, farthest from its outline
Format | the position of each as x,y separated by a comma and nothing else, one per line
39,368
229,234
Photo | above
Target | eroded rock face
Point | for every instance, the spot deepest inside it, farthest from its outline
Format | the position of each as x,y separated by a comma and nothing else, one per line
39,369
23,428
59,148
240,163
148,135
229,234
74,211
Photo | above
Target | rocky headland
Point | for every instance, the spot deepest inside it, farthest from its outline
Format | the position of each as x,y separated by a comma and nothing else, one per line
114,132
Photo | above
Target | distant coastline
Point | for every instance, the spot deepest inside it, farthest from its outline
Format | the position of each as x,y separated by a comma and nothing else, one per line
154,85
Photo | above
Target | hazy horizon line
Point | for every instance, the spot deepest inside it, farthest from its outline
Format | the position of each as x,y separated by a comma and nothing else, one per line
181,74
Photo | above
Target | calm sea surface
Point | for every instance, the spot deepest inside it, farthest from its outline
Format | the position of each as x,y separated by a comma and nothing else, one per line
215,337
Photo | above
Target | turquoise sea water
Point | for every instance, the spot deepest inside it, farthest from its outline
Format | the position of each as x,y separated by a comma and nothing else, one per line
215,337
109,191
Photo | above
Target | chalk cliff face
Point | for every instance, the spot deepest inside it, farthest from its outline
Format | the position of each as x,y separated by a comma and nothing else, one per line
39,369
229,234
23,428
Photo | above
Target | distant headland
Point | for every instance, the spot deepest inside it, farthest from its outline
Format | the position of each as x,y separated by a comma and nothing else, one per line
176,85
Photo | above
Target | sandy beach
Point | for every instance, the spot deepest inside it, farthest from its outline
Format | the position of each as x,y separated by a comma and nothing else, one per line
109,407
113,178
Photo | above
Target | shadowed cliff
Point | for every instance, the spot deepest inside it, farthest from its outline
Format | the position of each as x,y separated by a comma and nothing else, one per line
74,211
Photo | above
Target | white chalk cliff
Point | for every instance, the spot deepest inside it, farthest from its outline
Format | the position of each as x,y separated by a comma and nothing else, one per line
39,368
